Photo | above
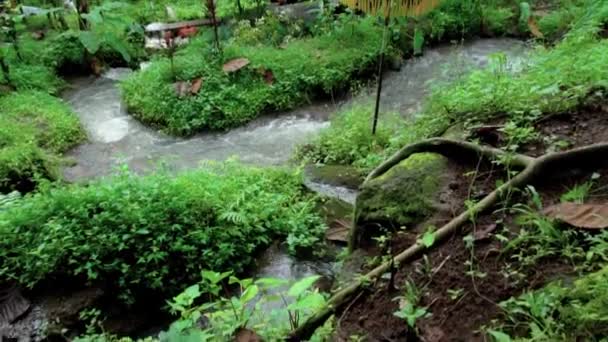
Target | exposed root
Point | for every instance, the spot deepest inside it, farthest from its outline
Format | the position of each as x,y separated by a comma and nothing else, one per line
547,164
450,149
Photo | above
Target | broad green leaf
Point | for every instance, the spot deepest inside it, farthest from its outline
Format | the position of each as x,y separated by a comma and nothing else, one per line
299,287
269,283
193,291
310,302
499,336
249,293
118,44
428,238
90,41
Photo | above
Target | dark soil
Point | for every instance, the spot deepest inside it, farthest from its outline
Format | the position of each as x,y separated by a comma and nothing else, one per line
461,304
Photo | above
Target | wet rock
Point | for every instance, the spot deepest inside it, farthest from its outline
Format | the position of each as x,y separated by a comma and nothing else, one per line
12,304
338,175
402,197
30,327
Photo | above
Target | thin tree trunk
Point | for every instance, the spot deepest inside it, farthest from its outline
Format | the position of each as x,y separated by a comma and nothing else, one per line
239,6
5,71
212,12
82,8
380,73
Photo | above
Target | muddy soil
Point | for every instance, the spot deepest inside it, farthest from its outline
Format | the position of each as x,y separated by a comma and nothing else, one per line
461,304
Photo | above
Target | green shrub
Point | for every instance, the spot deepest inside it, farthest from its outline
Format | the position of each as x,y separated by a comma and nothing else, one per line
63,49
34,129
155,232
349,140
302,69
560,312
24,76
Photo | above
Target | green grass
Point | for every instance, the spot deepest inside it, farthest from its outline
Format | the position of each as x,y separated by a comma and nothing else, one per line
553,80
349,140
35,128
302,69
560,311
155,232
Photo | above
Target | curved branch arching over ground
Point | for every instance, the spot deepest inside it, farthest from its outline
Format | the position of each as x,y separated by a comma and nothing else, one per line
547,164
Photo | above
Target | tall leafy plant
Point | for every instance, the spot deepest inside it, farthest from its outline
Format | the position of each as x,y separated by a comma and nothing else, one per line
105,29
388,8
82,9
211,7
8,28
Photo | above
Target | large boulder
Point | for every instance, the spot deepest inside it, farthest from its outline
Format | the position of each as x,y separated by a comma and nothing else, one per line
401,198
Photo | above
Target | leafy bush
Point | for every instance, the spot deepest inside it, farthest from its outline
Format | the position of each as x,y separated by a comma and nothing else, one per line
34,77
34,129
554,81
154,232
300,70
349,140
560,312
145,11
25,75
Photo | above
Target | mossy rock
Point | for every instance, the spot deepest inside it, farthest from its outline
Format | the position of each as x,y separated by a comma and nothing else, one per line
402,197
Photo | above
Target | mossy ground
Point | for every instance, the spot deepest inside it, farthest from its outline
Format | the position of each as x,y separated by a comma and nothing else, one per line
402,197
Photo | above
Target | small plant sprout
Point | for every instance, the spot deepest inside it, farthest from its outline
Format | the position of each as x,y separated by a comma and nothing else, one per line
455,294
428,238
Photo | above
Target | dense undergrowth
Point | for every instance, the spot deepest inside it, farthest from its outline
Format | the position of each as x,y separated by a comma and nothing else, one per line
155,232
549,81
35,128
572,308
560,311
300,68
303,61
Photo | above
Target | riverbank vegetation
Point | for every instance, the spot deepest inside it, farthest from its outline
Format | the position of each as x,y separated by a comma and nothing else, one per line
552,80
285,69
290,64
35,128
513,271
465,246
165,229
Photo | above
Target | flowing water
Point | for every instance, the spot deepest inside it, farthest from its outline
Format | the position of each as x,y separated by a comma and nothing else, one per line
115,138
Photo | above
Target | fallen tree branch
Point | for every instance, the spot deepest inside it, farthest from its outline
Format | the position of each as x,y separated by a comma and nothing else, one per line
534,167
449,148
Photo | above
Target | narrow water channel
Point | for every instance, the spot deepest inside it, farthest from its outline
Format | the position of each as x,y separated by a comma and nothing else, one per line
116,138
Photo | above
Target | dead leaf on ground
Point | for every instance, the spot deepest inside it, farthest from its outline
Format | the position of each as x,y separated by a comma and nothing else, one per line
338,231
484,233
337,234
246,335
534,28
38,35
235,65
181,88
585,216
196,86
268,77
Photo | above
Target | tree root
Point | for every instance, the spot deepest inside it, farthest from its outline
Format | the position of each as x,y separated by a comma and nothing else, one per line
533,167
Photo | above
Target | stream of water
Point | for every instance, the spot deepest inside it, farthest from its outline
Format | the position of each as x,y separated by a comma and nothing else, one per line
116,138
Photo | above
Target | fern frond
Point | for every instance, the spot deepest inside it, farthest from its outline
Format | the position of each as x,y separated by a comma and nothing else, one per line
399,7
